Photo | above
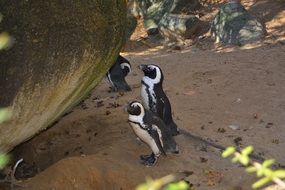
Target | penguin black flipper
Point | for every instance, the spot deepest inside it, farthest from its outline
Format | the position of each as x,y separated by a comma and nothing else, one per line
163,105
122,85
154,134
160,108
169,144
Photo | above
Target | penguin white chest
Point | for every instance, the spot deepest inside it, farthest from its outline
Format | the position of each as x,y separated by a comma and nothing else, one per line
145,96
148,97
145,137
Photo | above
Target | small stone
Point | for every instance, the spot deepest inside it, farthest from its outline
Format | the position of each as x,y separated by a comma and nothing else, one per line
237,141
275,141
203,160
234,127
107,112
269,125
221,130
255,116
88,130
99,104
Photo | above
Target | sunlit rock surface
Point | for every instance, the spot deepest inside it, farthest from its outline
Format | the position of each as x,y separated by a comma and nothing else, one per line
61,51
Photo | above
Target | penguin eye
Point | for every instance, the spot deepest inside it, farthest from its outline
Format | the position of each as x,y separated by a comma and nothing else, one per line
150,68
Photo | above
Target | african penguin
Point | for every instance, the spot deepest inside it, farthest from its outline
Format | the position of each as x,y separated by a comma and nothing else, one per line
117,73
151,130
153,96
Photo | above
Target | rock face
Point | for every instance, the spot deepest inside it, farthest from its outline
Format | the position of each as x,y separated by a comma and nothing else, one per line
234,25
61,51
178,27
166,16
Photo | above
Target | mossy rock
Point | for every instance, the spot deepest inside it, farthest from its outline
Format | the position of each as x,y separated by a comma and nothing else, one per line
175,27
62,50
234,25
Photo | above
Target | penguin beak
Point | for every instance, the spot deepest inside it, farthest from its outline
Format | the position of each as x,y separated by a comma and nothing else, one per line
126,107
142,67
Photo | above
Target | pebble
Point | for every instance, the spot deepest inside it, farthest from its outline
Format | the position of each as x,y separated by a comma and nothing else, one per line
234,127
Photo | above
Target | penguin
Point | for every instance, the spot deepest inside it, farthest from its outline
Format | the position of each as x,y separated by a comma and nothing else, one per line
153,96
117,73
151,130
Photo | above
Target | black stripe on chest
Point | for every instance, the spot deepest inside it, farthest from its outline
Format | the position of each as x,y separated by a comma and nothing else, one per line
139,124
151,103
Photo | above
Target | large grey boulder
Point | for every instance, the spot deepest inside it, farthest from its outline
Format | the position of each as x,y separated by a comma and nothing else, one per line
168,15
234,25
62,50
154,14
178,27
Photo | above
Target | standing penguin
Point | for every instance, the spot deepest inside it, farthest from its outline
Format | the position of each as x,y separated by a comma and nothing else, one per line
117,73
151,130
154,98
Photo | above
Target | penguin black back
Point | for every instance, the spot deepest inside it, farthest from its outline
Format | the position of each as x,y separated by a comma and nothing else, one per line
117,73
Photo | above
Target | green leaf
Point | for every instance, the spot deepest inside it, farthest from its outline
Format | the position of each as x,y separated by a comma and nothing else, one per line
248,150
181,185
229,151
235,159
279,173
5,114
244,160
251,169
4,160
268,172
268,163
142,187
259,172
5,40
261,182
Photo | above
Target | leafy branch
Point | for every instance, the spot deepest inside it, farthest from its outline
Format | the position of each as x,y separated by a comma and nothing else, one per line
263,171
4,116
166,182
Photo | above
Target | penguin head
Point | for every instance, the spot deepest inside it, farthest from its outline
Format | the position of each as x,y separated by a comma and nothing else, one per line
135,109
152,72
126,68
125,65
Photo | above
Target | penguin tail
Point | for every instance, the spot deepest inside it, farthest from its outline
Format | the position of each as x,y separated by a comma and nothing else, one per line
173,129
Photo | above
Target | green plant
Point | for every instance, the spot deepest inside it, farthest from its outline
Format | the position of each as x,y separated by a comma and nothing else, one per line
5,39
263,171
166,183
5,114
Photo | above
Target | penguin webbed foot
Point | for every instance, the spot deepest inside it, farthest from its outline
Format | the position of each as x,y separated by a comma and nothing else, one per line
149,160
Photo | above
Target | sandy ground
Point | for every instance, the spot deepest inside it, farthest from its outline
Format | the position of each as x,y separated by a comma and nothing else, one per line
209,87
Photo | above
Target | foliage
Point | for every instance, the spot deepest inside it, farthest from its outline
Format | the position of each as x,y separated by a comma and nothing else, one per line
5,39
4,115
164,183
263,171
